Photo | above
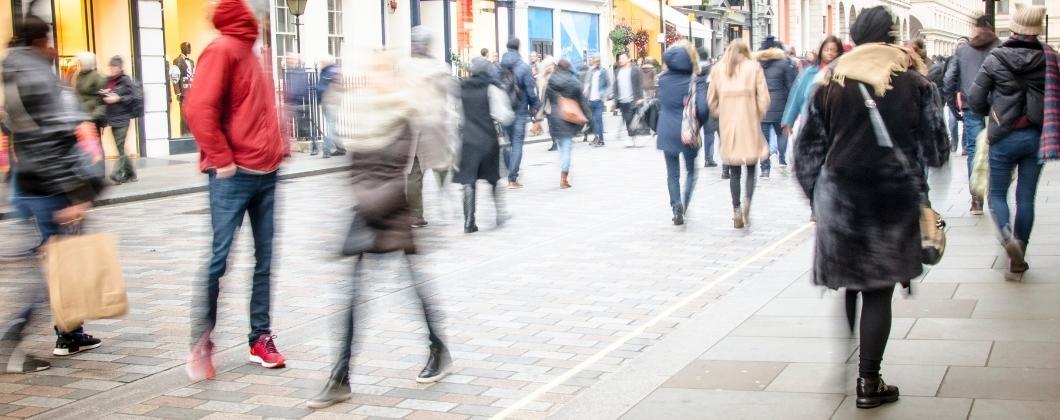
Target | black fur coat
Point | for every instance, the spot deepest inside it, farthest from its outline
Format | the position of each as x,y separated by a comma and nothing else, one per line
866,202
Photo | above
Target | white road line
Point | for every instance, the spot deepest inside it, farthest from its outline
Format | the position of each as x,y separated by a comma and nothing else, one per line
533,396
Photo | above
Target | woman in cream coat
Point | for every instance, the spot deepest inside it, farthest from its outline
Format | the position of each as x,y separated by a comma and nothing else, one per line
739,94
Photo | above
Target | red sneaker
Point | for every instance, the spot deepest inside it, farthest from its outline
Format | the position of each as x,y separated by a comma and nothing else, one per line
264,353
200,361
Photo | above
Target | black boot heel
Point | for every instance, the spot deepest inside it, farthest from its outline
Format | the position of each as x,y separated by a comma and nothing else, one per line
873,392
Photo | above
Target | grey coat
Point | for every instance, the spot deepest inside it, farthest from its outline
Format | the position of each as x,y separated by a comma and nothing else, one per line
962,69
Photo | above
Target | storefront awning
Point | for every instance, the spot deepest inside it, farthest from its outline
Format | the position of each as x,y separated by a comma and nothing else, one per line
675,18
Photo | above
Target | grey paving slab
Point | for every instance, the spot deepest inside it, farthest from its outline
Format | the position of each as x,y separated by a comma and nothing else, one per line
938,352
933,308
809,327
965,275
831,378
987,409
1025,354
726,375
783,349
908,407
671,403
929,291
815,307
986,329
1002,383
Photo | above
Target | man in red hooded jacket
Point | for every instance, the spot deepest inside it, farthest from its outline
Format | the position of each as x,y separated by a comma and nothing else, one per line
231,113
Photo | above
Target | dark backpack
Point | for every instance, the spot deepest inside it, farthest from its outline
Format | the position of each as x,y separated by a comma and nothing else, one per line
937,73
136,107
510,85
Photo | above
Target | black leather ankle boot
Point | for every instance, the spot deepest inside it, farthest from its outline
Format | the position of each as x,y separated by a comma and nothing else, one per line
873,392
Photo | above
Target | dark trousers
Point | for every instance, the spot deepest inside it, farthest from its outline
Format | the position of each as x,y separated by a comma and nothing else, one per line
875,327
341,371
414,187
628,110
673,177
123,170
734,183
231,199
782,143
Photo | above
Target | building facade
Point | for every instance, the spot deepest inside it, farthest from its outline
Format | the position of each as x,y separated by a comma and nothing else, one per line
1051,35
941,23
807,22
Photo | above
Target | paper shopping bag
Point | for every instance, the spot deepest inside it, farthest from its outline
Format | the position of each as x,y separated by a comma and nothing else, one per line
84,279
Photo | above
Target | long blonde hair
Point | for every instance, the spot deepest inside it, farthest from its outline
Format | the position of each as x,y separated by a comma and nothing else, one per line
737,52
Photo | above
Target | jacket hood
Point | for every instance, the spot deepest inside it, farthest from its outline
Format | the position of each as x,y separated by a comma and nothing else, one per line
677,60
771,54
1020,60
234,18
983,39
511,59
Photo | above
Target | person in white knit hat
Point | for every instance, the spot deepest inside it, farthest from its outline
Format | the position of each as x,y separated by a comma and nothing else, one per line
1011,87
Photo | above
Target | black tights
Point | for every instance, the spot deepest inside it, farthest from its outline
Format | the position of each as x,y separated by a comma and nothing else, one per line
734,183
875,327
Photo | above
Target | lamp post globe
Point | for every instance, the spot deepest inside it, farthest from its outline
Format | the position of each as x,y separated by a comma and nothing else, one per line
297,8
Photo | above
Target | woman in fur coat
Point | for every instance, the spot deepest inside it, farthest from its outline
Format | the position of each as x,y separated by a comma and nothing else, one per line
867,202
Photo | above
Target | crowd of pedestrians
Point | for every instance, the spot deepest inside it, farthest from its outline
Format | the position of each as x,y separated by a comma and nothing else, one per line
867,121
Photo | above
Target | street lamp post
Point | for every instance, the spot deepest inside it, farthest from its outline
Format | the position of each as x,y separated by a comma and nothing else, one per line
662,29
297,9
990,12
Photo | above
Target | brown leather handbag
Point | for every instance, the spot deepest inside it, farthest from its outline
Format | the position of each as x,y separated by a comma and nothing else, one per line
571,111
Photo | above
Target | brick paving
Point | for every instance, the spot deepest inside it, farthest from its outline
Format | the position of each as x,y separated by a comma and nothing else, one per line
573,272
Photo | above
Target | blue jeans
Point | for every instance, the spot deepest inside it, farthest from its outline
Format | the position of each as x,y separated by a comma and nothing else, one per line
513,154
565,143
1019,151
42,210
973,124
330,146
597,109
708,142
782,143
231,199
673,177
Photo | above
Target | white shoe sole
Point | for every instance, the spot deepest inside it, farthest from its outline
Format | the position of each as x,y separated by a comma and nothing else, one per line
82,349
256,359
325,404
435,378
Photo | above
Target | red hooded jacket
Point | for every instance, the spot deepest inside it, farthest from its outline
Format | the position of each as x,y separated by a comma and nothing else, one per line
230,107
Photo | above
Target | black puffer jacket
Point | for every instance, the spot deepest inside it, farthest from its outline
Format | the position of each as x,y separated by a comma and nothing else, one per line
1010,88
42,117
780,77
119,113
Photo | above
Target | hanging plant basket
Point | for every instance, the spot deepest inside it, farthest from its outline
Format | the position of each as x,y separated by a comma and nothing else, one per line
620,37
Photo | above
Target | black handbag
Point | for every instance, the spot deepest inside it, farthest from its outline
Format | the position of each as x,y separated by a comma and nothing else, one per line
360,238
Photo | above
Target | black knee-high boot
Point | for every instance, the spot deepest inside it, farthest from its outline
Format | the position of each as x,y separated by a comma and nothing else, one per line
469,209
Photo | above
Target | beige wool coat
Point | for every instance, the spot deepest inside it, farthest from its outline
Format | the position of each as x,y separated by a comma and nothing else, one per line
740,103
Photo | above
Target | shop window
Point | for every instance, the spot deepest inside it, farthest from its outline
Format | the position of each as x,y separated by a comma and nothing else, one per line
335,37
285,33
187,32
540,30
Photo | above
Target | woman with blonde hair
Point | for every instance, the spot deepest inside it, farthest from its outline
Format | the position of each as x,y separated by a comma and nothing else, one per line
740,96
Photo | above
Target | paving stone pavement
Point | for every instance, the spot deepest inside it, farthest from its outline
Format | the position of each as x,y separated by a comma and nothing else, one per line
970,342
548,314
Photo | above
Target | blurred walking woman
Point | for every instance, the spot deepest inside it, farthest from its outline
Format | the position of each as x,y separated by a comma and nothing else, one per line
808,80
740,96
682,62
866,196
380,140
484,105
565,97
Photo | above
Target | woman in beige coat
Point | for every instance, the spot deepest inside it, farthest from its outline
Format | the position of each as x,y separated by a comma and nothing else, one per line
740,97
